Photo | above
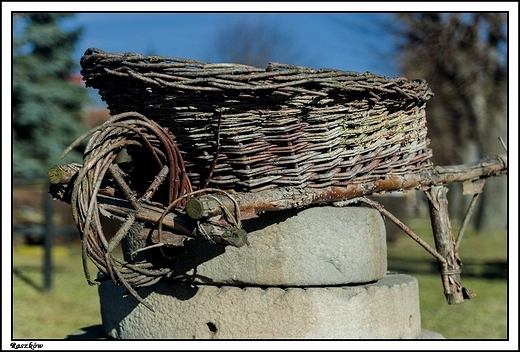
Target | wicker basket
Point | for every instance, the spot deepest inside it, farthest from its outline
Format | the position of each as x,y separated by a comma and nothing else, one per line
248,129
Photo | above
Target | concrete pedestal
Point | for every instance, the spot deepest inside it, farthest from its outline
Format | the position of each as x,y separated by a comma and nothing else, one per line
388,308
315,273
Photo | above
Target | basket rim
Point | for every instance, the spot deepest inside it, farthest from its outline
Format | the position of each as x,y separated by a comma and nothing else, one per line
186,74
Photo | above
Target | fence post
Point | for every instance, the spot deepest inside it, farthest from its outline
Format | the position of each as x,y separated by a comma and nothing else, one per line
48,231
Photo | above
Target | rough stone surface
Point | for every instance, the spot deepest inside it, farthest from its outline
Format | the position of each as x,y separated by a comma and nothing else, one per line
96,332
430,335
316,246
387,309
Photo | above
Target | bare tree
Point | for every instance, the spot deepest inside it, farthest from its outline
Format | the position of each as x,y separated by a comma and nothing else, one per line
463,58
253,43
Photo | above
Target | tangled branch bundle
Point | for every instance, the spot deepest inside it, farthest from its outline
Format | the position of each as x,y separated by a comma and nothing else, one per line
143,140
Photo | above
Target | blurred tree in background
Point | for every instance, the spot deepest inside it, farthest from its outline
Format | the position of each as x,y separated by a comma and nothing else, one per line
47,107
253,43
463,57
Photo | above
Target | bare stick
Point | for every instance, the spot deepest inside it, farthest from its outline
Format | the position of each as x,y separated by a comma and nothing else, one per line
403,227
118,177
465,222
252,203
445,245
474,187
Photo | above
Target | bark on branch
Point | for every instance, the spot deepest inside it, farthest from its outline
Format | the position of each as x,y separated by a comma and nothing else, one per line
446,246
251,204
287,198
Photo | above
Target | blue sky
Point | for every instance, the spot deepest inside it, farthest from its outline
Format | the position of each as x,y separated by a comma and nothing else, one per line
340,40
346,41
342,35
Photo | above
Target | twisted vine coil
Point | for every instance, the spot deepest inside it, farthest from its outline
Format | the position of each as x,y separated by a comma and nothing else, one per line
133,132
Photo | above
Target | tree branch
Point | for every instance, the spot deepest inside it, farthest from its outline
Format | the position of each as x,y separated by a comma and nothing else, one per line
287,198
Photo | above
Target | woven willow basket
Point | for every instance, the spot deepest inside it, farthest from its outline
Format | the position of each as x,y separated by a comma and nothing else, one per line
248,129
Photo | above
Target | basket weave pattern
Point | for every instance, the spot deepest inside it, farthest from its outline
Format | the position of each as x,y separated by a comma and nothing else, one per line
275,127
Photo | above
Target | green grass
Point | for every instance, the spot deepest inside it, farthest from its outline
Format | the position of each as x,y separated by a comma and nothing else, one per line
73,304
484,271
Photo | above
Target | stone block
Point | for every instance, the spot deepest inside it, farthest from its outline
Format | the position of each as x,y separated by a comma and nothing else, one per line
387,309
317,246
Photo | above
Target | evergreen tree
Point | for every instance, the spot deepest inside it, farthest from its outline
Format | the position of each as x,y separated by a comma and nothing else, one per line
46,105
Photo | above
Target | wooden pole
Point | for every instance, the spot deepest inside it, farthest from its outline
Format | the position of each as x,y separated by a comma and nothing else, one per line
446,246
48,234
252,203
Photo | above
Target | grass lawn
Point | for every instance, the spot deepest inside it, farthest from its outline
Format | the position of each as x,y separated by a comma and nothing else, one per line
484,271
73,304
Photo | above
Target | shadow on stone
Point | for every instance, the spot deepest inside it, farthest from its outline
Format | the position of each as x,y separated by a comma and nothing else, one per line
182,292
112,296
198,251
268,219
